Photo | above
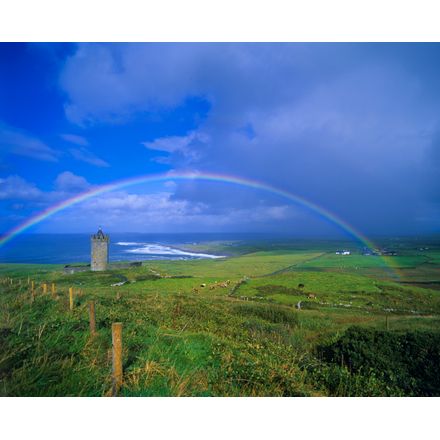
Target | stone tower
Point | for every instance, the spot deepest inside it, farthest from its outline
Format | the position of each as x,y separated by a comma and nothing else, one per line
99,254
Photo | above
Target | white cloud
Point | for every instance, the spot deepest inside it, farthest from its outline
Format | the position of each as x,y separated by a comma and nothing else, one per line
70,182
187,147
75,139
170,144
85,155
159,212
17,142
15,187
109,82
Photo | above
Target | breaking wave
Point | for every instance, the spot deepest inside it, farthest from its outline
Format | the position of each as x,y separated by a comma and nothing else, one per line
128,243
157,249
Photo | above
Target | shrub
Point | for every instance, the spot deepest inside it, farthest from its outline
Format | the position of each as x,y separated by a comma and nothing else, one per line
273,289
407,361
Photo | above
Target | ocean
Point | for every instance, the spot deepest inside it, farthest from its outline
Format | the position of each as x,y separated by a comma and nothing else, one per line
75,248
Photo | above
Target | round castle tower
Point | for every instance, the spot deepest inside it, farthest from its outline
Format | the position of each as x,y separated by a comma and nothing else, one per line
99,254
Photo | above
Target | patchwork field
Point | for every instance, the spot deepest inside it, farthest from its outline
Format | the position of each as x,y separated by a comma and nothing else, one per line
274,322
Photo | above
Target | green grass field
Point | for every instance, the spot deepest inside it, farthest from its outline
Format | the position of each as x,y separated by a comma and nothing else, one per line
227,327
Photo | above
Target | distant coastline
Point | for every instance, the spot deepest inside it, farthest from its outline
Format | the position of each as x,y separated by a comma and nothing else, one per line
75,248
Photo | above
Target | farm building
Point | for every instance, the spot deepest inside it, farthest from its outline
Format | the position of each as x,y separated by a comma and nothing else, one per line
342,252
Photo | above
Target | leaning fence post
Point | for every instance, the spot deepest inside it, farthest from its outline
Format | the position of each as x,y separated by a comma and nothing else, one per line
92,317
71,298
117,357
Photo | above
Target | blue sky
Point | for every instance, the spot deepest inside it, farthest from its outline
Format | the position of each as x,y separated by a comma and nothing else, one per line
354,128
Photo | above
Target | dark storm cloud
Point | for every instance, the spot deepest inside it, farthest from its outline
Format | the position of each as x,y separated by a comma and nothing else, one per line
352,127
431,179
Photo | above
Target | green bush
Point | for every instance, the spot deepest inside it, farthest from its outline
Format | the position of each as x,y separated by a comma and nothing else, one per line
339,381
402,361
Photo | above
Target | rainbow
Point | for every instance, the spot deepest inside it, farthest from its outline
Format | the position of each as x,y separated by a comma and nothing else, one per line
210,177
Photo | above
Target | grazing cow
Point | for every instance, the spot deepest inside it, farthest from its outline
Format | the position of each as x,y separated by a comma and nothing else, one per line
311,296
203,285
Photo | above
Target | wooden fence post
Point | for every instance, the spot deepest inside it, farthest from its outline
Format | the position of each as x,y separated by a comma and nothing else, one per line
44,288
71,298
117,357
92,318
54,292
32,285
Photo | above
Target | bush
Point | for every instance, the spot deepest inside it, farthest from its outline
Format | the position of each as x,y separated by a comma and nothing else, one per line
407,361
339,381
273,289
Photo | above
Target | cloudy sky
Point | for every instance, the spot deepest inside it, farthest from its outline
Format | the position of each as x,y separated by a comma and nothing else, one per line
353,128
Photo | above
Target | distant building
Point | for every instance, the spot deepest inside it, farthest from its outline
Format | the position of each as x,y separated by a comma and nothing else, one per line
379,252
99,251
342,252
368,251
389,253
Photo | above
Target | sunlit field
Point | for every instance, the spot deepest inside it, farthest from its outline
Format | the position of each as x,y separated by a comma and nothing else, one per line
286,322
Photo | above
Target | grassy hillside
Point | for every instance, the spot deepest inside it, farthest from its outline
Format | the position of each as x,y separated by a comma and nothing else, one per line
217,328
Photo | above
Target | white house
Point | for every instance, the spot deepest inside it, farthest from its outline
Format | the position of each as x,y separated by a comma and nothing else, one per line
343,252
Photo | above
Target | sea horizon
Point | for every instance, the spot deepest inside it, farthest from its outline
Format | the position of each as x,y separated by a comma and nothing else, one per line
69,248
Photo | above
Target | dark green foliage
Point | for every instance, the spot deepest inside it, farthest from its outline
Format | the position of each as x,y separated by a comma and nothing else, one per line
337,380
270,289
408,361
148,277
